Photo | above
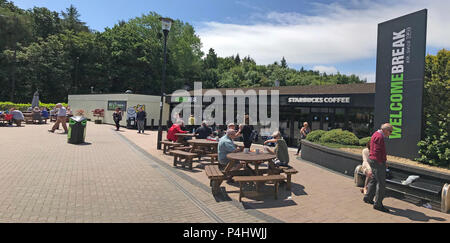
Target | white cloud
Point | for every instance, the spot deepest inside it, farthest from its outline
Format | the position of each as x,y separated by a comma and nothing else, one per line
325,69
336,33
370,77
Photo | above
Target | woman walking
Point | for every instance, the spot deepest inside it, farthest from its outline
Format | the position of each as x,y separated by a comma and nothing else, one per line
117,117
366,167
303,133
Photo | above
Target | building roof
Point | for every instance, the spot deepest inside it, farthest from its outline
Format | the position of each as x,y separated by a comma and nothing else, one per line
365,88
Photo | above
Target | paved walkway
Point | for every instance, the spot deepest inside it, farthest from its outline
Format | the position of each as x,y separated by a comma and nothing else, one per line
45,179
121,177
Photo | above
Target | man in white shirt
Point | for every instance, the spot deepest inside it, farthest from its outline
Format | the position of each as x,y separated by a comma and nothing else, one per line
61,113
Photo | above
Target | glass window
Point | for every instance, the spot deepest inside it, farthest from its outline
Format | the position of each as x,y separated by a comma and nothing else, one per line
360,121
315,110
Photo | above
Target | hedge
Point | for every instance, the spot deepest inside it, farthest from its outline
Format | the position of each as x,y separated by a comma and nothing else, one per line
24,107
315,135
339,136
364,141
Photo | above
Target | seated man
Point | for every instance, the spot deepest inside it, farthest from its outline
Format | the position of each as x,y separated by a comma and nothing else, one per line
37,115
17,116
44,113
176,128
225,147
203,132
281,149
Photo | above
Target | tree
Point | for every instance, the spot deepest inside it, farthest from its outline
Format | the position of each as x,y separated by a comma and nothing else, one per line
237,60
71,20
435,146
283,63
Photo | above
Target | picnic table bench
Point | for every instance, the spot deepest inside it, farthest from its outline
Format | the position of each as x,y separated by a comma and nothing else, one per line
289,171
179,156
258,179
167,145
216,177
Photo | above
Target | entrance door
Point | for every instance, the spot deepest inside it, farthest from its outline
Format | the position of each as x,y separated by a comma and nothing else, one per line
322,121
316,120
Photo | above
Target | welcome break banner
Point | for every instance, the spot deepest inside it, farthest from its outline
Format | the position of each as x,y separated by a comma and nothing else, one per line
399,81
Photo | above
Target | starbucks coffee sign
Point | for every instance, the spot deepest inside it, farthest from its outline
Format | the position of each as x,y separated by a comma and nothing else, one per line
319,100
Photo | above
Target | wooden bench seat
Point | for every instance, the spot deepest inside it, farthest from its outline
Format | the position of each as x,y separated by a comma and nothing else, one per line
182,148
216,177
289,171
167,145
258,179
214,157
179,156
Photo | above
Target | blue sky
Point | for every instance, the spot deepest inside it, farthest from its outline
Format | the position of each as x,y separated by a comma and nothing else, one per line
325,35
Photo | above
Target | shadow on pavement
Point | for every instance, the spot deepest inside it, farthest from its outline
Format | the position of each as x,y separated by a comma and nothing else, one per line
413,215
268,204
83,144
297,189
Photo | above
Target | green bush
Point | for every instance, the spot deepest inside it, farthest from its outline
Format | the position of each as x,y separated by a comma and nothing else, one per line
315,135
340,137
434,149
24,107
364,141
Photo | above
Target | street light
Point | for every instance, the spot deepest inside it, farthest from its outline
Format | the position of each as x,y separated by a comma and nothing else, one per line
166,24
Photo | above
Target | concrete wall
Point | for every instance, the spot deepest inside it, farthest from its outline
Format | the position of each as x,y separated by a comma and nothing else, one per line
90,102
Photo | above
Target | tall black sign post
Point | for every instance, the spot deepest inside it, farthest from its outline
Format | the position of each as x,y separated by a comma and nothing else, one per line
399,81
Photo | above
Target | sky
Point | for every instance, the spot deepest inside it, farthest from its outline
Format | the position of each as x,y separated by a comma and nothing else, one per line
326,35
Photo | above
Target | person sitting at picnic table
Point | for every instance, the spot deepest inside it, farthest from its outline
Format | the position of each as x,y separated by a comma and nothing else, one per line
281,149
176,128
225,147
203,132
37,114
17,117
44,113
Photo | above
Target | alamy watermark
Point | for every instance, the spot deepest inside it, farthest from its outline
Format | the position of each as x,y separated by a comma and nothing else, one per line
258,111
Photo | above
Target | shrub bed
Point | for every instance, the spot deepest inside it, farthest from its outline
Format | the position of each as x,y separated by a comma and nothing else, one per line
315,135
339,136
23,107
364,141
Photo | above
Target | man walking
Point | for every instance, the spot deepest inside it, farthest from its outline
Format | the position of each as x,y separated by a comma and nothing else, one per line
377,161
140,119
61,114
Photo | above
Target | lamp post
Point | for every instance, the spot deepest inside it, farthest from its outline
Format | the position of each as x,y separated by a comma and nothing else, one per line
166,24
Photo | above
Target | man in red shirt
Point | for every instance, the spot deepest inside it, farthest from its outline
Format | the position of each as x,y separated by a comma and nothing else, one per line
176,128
377,161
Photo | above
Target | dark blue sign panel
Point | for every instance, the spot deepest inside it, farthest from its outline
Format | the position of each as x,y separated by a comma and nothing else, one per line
399,81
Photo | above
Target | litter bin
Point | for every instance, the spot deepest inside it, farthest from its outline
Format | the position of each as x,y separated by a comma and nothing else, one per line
131,123
77,130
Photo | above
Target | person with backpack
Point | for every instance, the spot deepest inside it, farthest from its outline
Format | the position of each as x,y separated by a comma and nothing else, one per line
117,117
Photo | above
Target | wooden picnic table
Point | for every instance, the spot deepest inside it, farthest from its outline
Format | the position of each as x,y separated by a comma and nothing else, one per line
181,137
250,158
203,146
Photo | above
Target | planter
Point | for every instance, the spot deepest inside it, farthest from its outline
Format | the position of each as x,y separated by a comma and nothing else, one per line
334,159
430,187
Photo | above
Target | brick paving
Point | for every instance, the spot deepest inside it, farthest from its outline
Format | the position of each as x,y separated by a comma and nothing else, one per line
45,179
318,194
121,177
